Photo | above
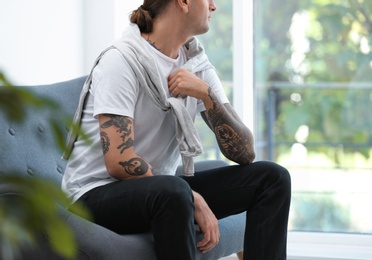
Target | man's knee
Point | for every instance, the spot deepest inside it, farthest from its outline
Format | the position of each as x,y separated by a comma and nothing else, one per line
284,175
277,174
283,182
176,193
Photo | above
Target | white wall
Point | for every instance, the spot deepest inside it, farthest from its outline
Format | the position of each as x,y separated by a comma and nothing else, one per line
46,41
40,40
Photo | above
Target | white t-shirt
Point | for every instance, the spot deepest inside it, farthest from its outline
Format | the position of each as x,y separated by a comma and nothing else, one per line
115,90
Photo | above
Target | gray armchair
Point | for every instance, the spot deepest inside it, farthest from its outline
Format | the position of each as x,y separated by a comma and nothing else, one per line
29,149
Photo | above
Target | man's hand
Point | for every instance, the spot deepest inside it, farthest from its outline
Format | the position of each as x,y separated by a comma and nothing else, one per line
208,224
184,83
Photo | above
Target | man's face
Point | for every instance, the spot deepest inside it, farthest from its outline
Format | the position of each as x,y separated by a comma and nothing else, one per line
200,15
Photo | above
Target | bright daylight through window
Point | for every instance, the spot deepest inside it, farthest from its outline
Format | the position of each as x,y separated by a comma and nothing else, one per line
313,97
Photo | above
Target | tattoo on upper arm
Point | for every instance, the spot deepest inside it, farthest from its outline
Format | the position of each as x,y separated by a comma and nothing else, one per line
105,140
124,125
135,166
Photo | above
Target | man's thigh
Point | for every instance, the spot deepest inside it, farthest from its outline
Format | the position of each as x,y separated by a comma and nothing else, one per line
130,206
233,189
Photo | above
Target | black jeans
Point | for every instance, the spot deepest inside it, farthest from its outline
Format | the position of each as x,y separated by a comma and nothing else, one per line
164,205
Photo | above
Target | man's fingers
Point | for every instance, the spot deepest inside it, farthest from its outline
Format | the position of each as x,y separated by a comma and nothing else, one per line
209,241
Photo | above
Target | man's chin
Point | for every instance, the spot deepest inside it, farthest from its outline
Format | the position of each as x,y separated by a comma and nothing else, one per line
205,30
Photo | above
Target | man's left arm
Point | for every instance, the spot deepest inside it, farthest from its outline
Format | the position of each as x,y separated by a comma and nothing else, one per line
233,137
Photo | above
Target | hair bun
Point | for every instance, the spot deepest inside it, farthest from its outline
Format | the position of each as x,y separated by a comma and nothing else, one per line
143,18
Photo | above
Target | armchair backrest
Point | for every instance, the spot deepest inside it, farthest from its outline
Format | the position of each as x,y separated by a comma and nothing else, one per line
29,147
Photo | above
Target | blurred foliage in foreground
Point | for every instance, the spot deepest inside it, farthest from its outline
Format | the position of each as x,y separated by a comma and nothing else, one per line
29,207
28,211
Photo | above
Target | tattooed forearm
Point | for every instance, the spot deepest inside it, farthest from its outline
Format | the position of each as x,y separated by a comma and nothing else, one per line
231,143
124,127
105,140
234,139
135,166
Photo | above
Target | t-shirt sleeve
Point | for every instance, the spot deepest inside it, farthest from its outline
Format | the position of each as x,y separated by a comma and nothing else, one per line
210,76
114,86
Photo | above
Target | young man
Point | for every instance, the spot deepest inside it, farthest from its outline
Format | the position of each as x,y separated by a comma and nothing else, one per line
136,108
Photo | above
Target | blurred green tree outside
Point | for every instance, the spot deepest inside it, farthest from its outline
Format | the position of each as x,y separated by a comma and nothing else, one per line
316,42
334,47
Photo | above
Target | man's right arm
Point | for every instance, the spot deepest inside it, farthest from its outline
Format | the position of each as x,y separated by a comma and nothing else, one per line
117,138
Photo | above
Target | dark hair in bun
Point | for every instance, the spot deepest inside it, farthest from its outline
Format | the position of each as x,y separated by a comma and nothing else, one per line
145,14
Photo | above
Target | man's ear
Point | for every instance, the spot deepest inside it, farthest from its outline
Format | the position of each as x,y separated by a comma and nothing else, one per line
184,5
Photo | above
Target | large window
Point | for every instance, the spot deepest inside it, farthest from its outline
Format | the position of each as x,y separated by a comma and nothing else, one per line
313,93
310,69
313,97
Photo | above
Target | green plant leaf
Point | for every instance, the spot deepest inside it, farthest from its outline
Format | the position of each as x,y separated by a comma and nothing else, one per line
32,209
61,237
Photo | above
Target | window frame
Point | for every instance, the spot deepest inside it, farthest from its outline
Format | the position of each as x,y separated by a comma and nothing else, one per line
335,246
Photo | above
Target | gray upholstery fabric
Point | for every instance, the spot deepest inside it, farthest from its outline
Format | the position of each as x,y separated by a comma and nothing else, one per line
29,149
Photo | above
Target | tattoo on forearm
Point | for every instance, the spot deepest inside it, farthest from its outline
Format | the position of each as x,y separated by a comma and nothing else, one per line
233,143
230,142
135,166
124,125
105,140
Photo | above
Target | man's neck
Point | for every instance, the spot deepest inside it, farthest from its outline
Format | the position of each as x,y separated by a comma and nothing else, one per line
167,37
